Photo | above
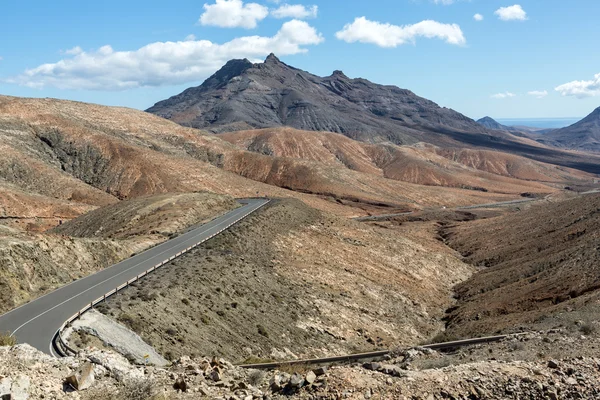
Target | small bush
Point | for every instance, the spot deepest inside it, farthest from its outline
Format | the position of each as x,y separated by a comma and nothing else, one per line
587,328
171,332
142,389
262,330
516,346
256,378
6,339
130,321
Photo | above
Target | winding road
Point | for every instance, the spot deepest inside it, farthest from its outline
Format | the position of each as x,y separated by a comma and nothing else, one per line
38,321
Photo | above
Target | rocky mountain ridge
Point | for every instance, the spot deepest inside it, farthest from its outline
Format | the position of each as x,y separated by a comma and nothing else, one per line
243,95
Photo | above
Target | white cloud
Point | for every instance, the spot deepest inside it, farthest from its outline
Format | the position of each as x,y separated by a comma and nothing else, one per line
233,14
540,94
504,95
297,11
74,51
581,89
478,17
512,13
387,35
189,38
163,63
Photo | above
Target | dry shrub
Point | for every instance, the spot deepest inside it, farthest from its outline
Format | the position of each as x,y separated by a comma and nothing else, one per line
6,339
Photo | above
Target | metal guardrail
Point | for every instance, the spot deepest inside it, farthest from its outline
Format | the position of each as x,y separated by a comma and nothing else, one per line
376,354
61,346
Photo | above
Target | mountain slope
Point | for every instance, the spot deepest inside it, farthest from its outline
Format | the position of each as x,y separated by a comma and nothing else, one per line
583,135
423,164
117,153
243,95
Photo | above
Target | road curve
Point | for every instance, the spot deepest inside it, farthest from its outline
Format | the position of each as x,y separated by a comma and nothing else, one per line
37,322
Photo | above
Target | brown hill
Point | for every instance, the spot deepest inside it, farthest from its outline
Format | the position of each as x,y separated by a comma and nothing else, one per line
538,265
96,155
422,164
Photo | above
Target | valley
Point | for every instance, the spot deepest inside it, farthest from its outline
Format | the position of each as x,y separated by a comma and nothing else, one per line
85,187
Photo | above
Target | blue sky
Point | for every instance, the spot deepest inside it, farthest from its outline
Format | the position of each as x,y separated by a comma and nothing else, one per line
134,53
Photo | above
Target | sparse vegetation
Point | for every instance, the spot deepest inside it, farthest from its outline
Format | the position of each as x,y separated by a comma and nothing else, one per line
262,331
6,339
256,378
587,328
134,323
295,368
137,390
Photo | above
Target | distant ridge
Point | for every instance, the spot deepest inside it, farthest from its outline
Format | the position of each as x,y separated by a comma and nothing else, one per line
583,135
491,123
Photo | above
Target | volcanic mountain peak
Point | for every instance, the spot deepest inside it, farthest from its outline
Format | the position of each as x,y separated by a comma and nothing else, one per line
273,94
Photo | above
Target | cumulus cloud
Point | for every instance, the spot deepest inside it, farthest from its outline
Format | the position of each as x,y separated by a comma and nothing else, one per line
504,95
190,37
540,94
512,13
388,35
297,11
478,17
233,14
163,63
581,89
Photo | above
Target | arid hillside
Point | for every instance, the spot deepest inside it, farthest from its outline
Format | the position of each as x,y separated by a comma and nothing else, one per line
537,266
32,264
97,155
292,280
421,164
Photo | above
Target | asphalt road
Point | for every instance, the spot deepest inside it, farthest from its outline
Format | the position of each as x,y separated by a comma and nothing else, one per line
37,322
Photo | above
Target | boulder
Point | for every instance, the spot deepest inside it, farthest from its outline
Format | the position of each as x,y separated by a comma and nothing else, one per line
310,377
296,381
83,378
320,371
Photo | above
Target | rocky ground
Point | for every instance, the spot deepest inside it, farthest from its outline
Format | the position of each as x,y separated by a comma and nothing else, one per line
490,371
291,281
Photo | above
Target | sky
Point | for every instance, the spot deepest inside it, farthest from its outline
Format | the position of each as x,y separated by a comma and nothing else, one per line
502,58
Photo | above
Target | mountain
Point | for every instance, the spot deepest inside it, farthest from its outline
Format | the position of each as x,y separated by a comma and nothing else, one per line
242,95
491,123
245,96
583,135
